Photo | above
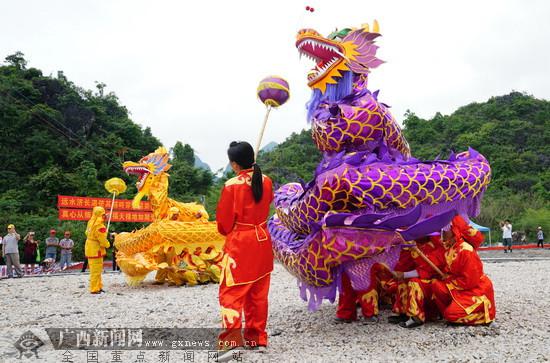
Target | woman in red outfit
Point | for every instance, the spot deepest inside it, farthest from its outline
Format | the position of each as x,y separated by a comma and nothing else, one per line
248,260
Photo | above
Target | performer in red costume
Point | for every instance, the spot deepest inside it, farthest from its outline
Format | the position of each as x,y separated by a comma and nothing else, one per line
416,296
368,300
397,288
248,261
465,295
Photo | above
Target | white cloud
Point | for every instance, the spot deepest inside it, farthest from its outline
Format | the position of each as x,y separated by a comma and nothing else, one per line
189,70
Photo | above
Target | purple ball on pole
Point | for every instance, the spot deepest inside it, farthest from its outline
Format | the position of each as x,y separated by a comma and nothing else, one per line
273,91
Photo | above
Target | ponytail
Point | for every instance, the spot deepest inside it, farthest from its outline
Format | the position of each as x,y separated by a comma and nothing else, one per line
257,183
243,154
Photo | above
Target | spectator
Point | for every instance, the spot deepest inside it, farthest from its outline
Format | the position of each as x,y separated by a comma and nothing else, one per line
540,237
66,245
52,243
10,250
506,227
30,252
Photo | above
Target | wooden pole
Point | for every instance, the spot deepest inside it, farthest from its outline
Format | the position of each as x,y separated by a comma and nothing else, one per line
111,211
260,137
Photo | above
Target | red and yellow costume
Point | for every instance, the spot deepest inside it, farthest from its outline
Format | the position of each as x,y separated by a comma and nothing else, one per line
414,294
398,288
466,296
95,247
247,262
368,299
213,259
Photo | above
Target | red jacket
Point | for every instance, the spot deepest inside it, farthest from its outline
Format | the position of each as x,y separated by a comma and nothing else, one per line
435,252
248,252
467,283
411,260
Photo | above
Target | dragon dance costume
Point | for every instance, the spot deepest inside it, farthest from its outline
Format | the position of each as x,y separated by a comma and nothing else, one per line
466,296
368,195
181,245
247,263
95,248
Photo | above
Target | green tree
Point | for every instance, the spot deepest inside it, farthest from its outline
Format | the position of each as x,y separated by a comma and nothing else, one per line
17,60
58,138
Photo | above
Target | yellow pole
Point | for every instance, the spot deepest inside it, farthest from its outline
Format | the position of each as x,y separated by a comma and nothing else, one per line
257,150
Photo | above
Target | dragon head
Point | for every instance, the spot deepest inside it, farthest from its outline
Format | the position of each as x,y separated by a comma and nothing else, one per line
147,169
342,51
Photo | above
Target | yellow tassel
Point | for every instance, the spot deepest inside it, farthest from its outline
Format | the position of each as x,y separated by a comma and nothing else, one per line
134,280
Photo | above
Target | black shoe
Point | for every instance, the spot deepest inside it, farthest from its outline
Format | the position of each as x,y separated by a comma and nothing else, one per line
396,319
341,320
96,292
451,323
371,320
102,291
411,323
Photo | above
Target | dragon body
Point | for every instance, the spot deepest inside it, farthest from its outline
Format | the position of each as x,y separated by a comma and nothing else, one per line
181,244
368,196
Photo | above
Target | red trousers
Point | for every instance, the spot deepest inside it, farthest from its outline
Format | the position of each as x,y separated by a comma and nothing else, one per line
252,299
397,292
419,303
455,311
349,298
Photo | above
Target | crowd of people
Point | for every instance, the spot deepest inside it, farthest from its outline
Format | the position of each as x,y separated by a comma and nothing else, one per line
31,251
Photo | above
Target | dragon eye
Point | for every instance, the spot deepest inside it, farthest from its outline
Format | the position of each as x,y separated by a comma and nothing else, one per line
340,34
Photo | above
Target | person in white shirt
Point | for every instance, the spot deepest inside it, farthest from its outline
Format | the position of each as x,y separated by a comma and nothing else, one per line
10,250
506,227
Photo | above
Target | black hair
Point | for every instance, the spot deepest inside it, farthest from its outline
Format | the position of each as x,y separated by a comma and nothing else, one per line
242,153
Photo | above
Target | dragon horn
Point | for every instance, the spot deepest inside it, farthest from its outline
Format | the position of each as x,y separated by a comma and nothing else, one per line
365,27
375,27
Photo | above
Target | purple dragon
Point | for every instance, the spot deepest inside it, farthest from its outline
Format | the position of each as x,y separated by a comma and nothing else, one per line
368,195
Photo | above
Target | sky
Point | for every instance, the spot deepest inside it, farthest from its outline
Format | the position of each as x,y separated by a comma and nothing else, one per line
189,69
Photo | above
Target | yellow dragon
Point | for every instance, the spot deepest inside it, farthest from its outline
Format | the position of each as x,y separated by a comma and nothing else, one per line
180,244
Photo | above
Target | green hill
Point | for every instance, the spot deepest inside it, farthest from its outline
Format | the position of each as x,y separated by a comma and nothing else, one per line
58,138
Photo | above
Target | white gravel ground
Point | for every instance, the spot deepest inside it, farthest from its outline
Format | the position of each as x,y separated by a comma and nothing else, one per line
521,332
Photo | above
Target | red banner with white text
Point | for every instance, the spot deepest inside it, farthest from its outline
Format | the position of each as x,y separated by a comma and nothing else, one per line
66,214
66,201
80,209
